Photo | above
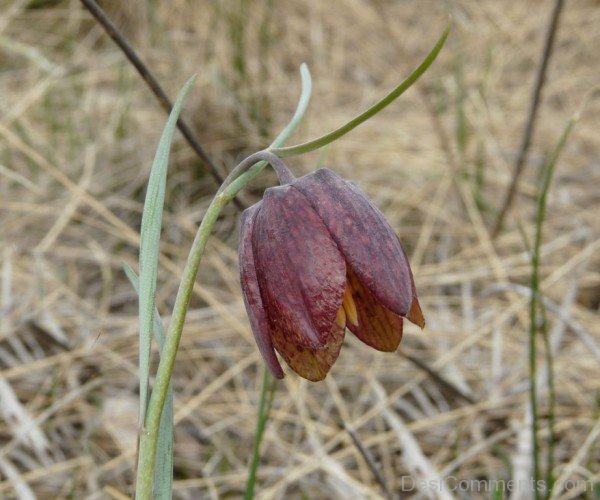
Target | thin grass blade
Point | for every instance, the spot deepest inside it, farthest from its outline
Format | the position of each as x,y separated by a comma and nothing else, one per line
535,304
373,110
301,108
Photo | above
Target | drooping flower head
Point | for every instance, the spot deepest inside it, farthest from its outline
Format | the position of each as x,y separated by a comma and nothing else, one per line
317,257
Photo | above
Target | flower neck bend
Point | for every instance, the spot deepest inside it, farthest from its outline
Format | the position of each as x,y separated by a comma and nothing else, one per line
284,174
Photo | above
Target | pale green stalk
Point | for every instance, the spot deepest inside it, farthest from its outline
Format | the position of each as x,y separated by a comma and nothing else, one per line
149,434
547,175
266,399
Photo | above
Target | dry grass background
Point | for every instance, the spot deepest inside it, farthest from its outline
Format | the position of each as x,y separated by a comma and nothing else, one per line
78,130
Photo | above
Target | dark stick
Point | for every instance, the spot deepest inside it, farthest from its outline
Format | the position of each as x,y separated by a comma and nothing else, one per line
154,86
369,459
529,127
441,381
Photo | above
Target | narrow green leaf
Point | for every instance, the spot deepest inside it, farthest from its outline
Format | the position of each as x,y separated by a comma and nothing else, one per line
149,243
534,304
157,328
301,108
163,471
373,110
283,136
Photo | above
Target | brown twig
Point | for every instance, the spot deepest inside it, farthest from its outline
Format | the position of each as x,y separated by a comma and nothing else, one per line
369,459
154,86
530,125
439,379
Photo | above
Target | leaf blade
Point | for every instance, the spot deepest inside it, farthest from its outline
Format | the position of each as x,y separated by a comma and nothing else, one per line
149,245
328,138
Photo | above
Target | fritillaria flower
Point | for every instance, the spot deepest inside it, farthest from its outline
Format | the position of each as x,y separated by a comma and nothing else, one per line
317,257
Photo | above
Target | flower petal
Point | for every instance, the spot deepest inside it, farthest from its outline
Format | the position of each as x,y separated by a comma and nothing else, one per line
251,293
311,363
300,270
415,314
364,237
377,326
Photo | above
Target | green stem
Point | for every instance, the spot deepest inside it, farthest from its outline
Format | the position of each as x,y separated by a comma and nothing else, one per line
267,393
149,434
533,365
551,401
547,175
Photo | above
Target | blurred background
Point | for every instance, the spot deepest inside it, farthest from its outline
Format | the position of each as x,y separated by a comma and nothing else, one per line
78,131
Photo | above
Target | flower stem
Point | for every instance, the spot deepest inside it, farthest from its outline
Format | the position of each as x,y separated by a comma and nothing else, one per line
149,433
266,399
263,158
547,176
